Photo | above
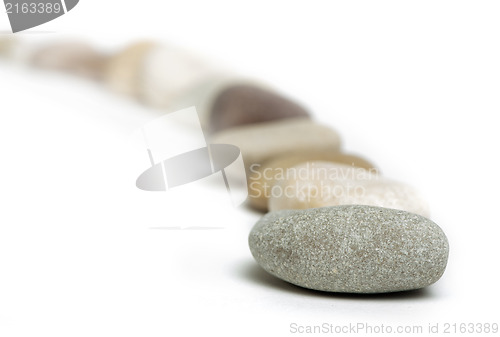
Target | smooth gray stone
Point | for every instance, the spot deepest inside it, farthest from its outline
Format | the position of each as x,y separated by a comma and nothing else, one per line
350,248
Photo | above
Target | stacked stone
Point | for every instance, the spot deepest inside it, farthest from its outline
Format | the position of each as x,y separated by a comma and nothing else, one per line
335,223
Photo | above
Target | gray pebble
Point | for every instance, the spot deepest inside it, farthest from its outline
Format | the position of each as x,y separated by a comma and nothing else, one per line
351,248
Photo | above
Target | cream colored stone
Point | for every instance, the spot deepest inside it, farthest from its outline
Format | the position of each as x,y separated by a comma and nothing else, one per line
123,72
170,73
170,78
74,57
320,184
22,51
7,44
263,141
262,178
200,95
173,79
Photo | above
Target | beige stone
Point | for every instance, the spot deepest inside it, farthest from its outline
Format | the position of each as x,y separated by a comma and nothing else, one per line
7,43
123,71
170,74
201,95
263,141
262,177
72,57
320,184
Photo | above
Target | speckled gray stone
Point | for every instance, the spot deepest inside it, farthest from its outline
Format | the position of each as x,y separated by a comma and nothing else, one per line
351,248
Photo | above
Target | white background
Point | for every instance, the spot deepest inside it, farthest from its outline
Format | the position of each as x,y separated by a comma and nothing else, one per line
411,85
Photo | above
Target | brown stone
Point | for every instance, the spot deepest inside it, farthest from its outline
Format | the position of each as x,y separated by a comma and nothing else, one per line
246,104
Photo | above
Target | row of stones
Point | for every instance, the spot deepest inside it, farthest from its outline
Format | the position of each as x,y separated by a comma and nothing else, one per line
336,224
273,132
